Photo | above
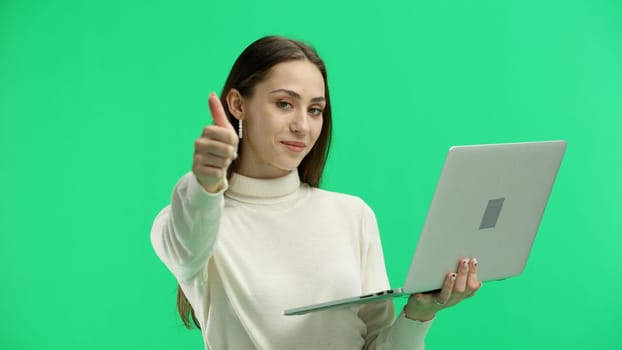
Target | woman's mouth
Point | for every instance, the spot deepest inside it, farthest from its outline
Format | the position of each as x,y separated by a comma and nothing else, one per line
294,146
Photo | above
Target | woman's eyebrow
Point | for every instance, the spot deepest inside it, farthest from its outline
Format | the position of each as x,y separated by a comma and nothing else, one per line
297,96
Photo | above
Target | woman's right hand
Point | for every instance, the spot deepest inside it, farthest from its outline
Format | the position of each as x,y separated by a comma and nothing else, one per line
215,149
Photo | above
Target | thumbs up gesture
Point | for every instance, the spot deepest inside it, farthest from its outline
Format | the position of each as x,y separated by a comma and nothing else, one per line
215,149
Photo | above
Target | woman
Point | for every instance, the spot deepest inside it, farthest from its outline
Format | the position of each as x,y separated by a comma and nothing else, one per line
248,233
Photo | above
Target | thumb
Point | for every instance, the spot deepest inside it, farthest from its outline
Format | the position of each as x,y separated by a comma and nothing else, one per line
218,112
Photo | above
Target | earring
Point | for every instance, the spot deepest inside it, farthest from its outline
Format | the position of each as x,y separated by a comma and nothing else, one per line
240,129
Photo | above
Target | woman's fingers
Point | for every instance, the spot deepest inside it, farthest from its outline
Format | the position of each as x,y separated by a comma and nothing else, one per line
219,133
209,160
467,282
443,296
473,283
216,148
462,276
457,286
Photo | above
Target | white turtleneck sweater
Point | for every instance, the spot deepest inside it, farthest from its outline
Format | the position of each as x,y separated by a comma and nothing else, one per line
258,247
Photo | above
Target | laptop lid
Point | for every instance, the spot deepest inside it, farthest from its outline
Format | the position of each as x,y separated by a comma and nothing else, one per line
488,204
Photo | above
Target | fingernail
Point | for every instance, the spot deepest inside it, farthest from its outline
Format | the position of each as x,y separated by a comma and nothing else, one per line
465,263
474,262
453,277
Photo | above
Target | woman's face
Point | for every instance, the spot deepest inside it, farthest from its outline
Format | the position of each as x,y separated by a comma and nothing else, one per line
282,119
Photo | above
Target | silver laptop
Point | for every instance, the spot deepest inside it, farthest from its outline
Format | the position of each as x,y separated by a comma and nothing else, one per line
488,204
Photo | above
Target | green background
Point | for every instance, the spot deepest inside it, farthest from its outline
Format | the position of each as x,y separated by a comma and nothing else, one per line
100,103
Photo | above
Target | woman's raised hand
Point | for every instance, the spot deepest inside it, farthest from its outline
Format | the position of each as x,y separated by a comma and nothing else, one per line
215,149
458,286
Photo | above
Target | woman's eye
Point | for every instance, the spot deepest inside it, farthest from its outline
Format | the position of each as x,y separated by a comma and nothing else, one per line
284,105
316,111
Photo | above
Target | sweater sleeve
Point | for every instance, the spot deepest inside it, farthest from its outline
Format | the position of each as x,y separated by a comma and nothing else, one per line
384,331
184,233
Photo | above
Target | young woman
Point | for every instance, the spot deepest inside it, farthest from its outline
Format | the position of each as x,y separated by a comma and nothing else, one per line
248,232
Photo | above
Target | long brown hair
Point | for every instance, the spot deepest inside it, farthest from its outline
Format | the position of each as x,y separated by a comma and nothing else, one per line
252,67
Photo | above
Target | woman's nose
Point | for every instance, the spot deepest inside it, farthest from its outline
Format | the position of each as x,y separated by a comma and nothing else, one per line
300,124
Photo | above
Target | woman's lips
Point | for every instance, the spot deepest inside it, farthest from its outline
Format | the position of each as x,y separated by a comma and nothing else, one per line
294,146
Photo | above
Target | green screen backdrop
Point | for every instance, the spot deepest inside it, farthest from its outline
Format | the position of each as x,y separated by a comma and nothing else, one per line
100,103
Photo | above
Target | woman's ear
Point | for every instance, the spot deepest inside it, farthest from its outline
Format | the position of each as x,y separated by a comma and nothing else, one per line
235,102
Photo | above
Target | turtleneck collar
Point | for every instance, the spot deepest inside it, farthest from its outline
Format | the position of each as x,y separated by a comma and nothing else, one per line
248,189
